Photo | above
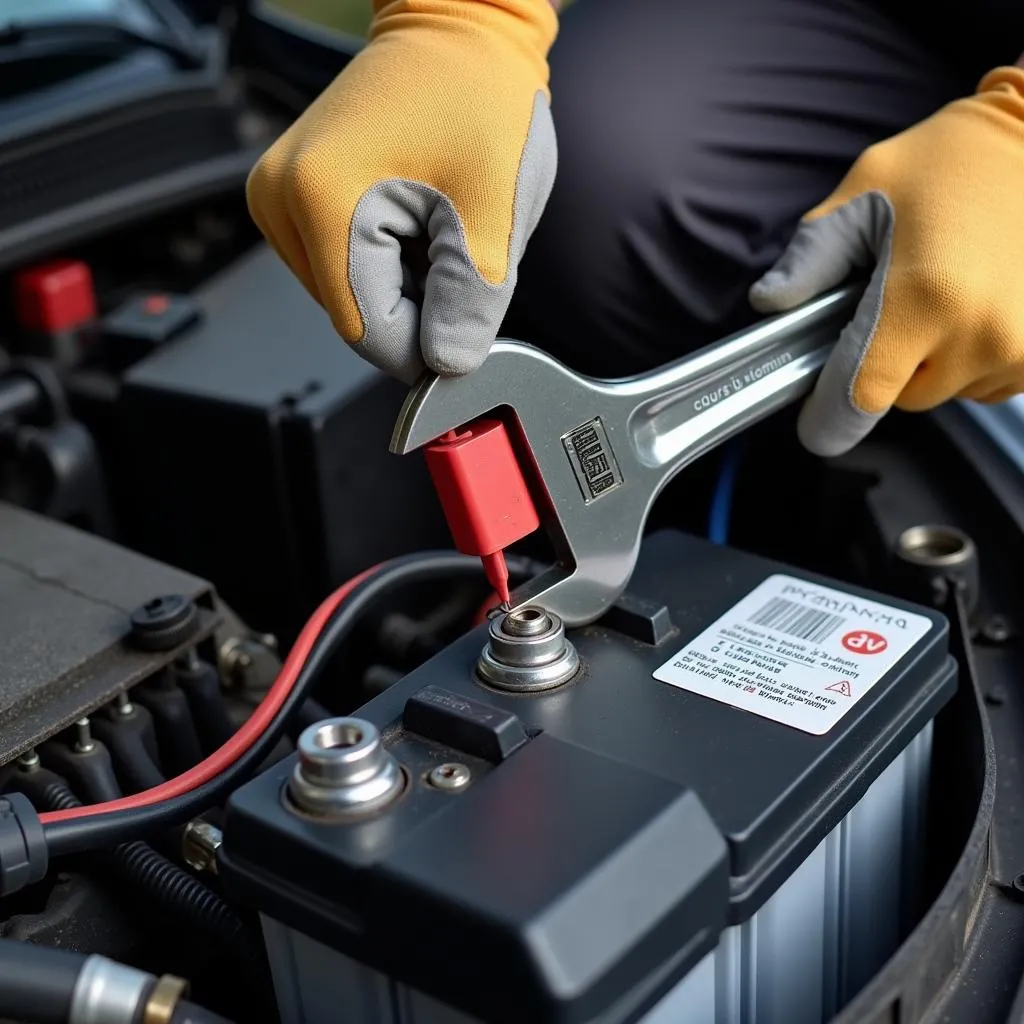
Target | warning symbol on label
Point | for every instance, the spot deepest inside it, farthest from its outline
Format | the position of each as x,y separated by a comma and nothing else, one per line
843,688
863,641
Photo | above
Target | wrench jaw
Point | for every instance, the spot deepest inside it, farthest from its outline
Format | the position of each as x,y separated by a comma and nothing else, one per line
536,592
437,404
553,420
418,414
566,593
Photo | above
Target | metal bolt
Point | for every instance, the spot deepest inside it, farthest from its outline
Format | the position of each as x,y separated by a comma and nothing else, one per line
996,630
343,767
28,761
84,743
449,777
124,704
199,845
236,658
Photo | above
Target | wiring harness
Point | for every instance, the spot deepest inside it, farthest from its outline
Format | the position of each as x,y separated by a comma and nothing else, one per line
28,840
44,985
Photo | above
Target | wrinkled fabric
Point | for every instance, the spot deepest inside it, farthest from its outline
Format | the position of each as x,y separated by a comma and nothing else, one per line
693,136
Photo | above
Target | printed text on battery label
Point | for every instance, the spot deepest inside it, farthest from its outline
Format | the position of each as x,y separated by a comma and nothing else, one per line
796,652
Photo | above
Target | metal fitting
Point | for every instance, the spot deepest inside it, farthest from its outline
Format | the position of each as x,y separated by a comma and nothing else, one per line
935,546
343,769
248,660
163,1000
931,556
449,777
84,743
527,650
235,657
107,992
199,845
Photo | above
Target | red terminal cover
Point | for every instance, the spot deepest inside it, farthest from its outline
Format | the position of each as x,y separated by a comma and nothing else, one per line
481,487
55,297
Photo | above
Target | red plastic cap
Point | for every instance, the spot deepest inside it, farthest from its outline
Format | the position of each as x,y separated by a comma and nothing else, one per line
482,489
55,297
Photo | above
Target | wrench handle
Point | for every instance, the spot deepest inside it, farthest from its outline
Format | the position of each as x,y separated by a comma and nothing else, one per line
703,399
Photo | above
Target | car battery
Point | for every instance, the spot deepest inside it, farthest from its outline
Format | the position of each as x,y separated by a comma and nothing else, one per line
706,808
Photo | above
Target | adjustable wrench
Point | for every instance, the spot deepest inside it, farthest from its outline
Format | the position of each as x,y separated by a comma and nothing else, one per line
598,452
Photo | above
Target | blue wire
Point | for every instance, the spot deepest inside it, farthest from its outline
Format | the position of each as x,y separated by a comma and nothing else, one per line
721,501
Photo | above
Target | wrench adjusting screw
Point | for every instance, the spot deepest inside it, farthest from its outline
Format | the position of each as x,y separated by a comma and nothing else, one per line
343,769
527,650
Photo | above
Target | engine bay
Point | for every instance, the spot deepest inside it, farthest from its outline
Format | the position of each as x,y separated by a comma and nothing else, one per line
378,798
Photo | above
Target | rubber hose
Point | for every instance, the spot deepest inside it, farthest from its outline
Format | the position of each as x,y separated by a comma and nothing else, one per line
189,1013
139,769
126,741
37,986
200,683
173,888
37,983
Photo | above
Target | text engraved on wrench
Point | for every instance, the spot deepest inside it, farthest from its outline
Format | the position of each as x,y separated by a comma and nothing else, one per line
726,387
592,459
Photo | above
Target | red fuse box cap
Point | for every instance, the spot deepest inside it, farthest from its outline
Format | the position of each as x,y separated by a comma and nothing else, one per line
55,297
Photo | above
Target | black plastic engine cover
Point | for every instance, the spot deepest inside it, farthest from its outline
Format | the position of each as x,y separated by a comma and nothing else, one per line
66,600
252,450
584,871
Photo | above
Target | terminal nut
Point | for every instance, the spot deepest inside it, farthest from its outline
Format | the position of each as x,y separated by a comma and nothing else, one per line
200,845
343,769
527,650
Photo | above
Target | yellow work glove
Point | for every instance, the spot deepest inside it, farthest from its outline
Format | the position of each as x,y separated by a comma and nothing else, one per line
439,129
939,209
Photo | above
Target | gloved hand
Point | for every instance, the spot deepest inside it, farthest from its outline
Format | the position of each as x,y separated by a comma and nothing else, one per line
440,128
940,207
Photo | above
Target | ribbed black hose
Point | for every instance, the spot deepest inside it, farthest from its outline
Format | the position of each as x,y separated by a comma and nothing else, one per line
174,889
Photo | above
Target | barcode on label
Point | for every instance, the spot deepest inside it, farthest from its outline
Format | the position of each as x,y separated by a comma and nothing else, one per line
797,620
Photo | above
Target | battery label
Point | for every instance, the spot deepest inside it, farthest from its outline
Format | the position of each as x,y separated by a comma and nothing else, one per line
796,652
